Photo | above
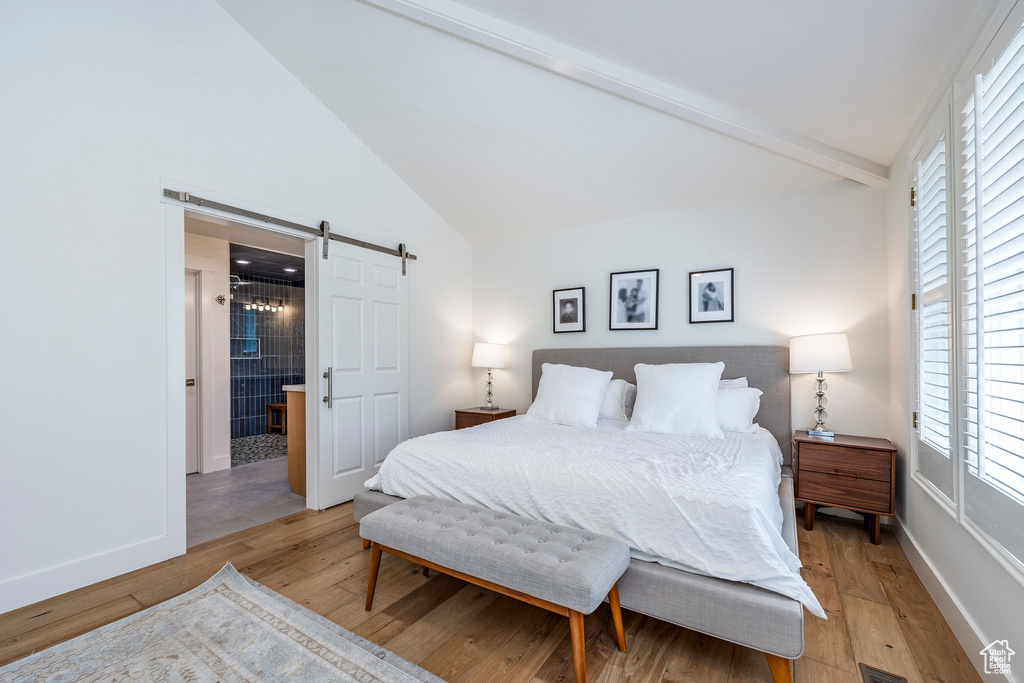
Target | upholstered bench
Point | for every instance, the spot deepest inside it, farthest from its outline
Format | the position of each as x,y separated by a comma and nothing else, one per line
564,570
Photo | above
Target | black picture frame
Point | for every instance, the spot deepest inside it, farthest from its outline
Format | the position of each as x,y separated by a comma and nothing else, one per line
717,279
560,326
628,307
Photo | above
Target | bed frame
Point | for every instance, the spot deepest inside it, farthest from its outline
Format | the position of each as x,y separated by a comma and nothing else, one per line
737,612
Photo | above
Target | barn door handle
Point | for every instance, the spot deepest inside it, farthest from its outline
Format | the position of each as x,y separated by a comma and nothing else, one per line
328,375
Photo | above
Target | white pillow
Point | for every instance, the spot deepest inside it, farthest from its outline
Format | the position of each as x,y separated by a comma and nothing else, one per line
569,395
739,382
677,399
737,408
618,400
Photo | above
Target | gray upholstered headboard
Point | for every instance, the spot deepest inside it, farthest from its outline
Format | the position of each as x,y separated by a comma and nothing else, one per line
765,367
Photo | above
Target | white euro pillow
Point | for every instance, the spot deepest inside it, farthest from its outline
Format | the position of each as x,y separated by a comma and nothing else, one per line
569,395
618,400
737,407
729,383
677,398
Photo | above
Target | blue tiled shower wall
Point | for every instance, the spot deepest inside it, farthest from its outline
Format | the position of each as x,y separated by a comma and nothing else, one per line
256,382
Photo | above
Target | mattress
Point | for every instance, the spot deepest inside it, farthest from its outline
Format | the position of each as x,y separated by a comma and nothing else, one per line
709,506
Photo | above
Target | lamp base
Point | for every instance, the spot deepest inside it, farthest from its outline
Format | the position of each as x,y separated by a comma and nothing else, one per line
821,433
490,408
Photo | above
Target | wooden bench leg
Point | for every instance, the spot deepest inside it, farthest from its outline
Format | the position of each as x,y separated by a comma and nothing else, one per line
374,568
578,643
781,668
613,600
366,544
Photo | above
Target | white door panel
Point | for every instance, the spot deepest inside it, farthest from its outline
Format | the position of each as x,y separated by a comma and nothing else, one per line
347,326
387,421
385,336
364,345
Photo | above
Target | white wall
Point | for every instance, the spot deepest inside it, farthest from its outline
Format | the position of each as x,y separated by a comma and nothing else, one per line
101,100
808,260
978,597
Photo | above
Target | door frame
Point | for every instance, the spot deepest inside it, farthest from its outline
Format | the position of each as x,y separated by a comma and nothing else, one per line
174,225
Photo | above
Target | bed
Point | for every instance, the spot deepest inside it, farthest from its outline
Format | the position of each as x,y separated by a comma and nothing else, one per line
739,612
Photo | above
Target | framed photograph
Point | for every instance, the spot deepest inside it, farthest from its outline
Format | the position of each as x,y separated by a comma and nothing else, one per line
569,310
711,296
633,303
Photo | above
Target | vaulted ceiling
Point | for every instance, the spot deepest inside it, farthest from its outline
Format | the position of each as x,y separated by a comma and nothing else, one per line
501,144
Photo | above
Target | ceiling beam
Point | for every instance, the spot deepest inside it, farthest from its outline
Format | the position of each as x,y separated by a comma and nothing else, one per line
531,48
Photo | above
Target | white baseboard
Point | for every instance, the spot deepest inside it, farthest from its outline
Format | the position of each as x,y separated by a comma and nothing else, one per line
47,583
965,630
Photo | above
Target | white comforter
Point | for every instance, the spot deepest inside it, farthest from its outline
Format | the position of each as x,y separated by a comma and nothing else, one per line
705,505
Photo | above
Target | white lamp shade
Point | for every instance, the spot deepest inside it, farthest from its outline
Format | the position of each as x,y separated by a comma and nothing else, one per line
488,355
820,353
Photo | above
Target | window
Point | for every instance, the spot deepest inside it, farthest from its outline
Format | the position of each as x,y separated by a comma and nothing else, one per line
933,316
992,299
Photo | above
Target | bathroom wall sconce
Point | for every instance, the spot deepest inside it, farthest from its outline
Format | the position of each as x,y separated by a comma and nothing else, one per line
265,306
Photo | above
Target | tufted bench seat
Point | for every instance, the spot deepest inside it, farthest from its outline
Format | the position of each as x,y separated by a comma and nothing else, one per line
567,571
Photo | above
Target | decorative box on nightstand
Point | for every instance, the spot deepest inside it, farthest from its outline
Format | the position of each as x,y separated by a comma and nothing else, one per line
853,472
471,417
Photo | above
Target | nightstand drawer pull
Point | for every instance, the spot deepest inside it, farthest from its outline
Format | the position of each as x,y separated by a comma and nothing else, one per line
843,475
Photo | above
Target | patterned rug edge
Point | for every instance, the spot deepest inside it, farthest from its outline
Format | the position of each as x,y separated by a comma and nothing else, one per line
228,573
378,651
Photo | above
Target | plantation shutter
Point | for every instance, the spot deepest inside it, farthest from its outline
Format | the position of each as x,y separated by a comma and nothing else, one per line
993,300
933,319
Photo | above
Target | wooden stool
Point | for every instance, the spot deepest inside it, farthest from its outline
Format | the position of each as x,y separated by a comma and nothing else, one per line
283,426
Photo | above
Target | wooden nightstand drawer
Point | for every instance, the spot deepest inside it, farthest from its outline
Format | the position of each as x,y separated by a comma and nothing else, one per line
850,462
471,417
463,420
844,491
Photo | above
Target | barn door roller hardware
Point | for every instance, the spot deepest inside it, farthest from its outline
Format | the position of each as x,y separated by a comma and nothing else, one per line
323,231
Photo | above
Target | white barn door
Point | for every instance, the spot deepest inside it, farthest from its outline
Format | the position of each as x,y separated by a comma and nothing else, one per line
363,383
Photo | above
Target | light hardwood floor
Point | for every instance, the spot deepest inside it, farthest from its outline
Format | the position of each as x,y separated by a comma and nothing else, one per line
879,613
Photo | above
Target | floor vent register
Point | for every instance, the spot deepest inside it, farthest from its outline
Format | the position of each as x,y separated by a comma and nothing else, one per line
872,675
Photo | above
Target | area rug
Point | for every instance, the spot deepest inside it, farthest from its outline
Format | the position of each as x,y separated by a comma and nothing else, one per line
249,449
229,629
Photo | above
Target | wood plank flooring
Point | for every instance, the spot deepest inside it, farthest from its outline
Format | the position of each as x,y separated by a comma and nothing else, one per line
879,613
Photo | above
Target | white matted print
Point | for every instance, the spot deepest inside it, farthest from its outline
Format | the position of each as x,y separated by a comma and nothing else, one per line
634,300
569,310
711,296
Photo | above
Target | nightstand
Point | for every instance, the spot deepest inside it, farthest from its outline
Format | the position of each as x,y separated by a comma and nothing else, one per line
471,417
853,472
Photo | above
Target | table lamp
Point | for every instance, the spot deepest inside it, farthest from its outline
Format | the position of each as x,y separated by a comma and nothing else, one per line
488,356
820,353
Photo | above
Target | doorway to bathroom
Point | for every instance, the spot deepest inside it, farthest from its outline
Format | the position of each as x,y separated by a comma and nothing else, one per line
267,351
246,302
